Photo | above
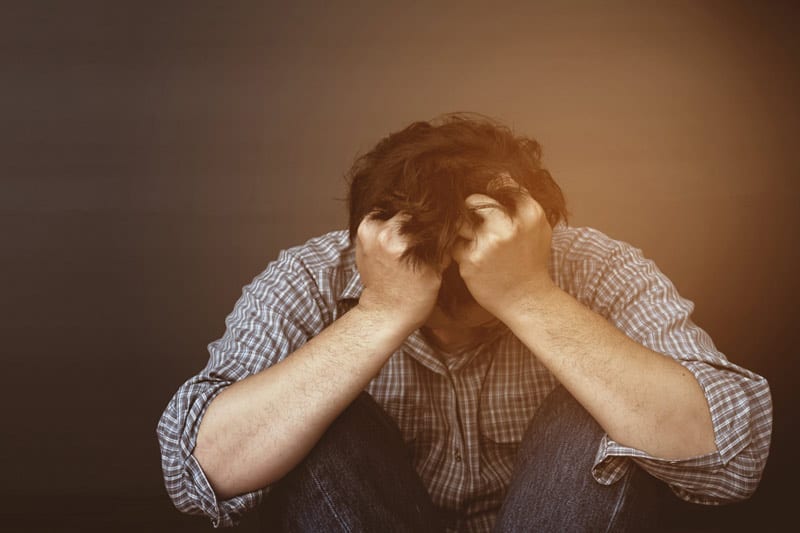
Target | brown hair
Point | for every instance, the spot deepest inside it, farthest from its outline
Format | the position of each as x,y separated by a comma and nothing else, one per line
428,169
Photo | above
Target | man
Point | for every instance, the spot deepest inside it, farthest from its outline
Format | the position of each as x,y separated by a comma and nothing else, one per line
520,374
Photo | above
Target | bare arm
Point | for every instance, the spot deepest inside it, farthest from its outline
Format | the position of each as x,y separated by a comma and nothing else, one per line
258,429
641,398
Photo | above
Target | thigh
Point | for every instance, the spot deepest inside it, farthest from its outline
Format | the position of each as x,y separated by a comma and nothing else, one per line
553,488
359,477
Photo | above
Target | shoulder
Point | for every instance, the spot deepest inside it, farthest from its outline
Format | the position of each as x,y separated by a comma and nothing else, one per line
319,268
586,262
331,250
585,247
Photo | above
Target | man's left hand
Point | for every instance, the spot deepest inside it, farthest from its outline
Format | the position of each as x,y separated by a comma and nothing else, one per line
504,258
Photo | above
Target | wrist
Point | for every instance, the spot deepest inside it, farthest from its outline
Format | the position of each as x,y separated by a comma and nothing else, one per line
529,299
386,318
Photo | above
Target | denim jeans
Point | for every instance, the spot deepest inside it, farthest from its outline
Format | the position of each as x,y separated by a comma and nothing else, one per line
360,477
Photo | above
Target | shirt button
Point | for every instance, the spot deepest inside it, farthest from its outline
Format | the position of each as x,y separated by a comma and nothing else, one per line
458,457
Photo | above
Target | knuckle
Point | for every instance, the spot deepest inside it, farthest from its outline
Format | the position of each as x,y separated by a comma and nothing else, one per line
364,229
537,211
391,242
384,238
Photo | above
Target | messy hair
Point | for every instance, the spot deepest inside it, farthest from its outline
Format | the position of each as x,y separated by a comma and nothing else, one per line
428,169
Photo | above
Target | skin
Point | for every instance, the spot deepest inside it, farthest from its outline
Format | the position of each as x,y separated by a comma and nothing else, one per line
258,429
641,398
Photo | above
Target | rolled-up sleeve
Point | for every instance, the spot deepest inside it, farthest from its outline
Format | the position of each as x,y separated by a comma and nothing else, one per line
184,479
277,313
632,293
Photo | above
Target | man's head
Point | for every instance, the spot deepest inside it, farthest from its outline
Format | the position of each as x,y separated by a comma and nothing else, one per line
428,169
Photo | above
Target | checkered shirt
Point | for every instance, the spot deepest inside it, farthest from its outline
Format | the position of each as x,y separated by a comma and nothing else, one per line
464,414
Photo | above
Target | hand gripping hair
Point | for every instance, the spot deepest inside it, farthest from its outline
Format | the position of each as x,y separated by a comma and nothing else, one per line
428,169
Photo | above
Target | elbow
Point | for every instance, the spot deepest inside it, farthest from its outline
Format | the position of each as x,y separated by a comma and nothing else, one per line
178,470
230,467
209,457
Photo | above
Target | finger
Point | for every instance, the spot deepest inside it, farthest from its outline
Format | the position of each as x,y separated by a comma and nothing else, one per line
477,202
529,211
390,234
373,223
446,260
466,230
399,218
367,227
494,215
384,233
504,181
460,250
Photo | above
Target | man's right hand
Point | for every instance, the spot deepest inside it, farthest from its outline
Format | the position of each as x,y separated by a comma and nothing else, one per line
392,284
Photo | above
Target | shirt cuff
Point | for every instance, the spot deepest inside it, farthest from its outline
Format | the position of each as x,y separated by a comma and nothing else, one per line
729,406
613,461
223,513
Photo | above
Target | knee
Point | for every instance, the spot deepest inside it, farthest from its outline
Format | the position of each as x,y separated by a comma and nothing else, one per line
362,434
553,488
364,414
345,476
361,424
562,421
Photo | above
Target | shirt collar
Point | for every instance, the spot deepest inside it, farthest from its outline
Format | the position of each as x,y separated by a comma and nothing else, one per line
353,289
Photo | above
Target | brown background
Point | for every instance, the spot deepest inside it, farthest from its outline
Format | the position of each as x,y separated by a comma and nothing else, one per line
154,158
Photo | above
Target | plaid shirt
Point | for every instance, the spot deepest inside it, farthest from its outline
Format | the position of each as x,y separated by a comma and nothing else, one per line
464,414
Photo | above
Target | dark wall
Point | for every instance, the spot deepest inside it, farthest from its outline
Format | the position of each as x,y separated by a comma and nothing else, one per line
154,158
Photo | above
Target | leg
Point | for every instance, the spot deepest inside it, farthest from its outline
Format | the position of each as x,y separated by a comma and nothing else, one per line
359,477
553,488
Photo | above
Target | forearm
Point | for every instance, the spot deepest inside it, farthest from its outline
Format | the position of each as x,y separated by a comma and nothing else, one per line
641,398
258,429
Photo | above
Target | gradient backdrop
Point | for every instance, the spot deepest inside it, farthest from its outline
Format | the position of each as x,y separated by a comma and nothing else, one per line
154,158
